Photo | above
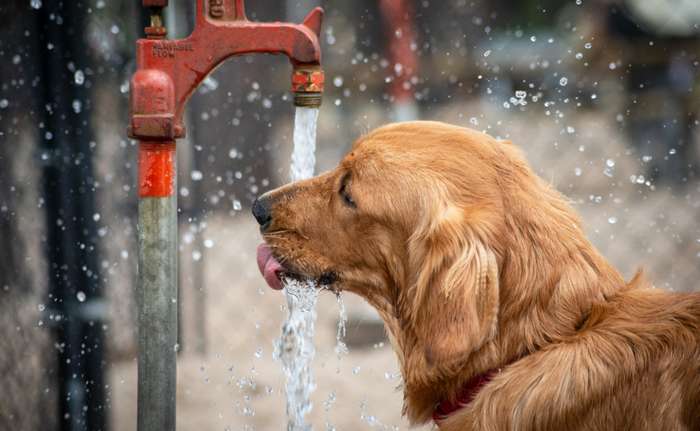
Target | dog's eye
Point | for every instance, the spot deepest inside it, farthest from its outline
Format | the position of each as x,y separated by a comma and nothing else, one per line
345,194
348,199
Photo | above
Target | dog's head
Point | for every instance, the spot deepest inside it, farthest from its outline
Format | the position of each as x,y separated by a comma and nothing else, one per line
411,220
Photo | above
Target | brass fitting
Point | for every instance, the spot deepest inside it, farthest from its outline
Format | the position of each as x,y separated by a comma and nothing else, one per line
307,86
156,30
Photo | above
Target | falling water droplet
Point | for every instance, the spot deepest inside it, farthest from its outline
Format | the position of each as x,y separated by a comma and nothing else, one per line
79,77
196,175
77,106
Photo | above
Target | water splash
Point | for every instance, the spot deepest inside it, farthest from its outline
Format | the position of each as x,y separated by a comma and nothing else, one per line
295,347
340,347
372,420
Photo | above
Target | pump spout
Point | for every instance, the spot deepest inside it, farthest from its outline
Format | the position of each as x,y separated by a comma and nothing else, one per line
308,79
307,85
221,31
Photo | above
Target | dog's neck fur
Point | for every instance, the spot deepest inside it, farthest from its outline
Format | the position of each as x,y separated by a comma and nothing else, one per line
562,279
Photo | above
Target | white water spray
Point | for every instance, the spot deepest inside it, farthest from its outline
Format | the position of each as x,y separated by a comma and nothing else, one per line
340,347
304,153
295,347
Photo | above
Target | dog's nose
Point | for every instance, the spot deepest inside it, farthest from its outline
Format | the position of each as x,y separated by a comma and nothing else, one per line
261,211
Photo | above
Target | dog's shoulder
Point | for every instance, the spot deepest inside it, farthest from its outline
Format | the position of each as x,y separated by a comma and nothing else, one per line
638,347
647,311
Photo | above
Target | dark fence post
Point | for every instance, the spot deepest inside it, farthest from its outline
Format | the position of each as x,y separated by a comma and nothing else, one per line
67,143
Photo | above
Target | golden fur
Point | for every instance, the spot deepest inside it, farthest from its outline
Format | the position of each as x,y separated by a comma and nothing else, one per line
475,263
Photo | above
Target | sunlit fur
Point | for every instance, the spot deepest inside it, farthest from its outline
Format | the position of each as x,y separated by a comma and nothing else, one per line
475,263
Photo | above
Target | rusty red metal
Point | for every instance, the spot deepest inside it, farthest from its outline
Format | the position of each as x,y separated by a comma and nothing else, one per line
155,3
170,70
307,80
156,169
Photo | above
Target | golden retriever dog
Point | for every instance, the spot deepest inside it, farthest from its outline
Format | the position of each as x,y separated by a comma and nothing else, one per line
502,314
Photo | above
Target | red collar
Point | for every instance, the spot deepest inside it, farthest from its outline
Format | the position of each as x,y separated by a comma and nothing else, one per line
469,391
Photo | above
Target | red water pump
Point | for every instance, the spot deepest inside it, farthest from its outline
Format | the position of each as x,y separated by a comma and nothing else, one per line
168,73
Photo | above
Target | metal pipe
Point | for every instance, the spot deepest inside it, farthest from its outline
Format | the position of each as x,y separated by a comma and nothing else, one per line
157,293
401,36
398,19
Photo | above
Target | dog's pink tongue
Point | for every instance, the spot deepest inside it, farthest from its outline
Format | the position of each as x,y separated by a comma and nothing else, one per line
270,268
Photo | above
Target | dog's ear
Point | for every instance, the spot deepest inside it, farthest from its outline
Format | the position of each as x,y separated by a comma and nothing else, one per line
455,295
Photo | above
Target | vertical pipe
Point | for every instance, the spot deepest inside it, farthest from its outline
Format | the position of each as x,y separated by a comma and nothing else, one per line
157,286
195,213
398,20
176,30
239,12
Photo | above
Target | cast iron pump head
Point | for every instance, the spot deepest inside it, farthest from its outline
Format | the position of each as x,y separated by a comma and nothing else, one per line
170,70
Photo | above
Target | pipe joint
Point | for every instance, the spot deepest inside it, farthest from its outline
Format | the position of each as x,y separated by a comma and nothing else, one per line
153,107
307,86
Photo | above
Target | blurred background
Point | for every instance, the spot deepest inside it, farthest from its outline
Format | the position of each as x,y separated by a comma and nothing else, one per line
603,97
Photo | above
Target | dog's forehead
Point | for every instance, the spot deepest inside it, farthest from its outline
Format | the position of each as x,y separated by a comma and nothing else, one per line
406,149
417,137
364,159
363,149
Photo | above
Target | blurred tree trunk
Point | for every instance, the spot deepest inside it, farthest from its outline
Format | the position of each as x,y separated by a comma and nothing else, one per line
27,357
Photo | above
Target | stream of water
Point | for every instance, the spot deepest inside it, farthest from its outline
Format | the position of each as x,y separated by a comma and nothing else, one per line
304,153
295,347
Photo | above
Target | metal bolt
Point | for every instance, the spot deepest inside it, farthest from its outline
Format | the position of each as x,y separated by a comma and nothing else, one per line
156,30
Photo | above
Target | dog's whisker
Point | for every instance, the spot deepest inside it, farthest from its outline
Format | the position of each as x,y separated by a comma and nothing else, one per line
279,232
